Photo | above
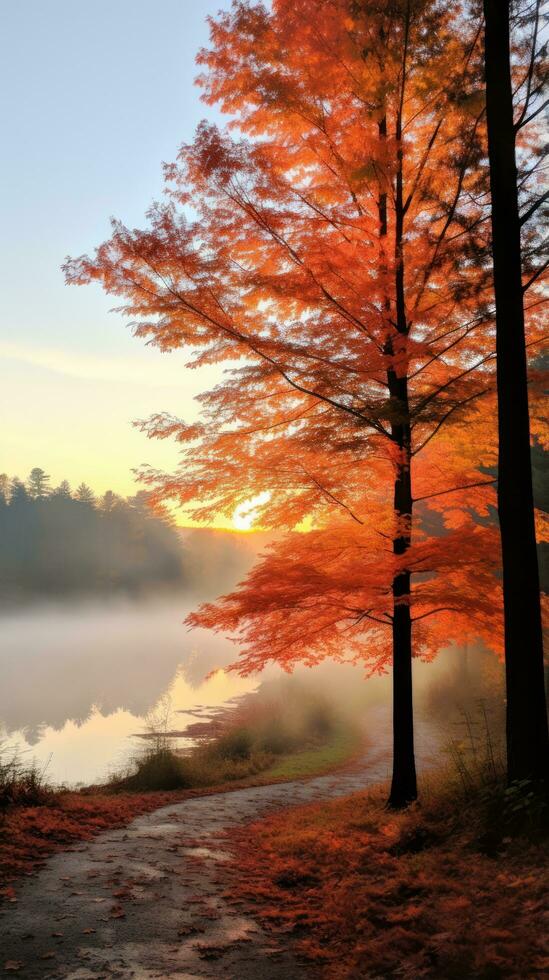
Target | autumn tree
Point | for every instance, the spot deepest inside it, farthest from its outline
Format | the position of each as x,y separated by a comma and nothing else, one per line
515,100
334,249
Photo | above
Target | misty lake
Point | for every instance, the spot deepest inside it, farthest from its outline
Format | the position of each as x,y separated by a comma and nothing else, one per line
80,680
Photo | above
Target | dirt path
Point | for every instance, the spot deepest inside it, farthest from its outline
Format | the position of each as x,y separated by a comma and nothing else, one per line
147,900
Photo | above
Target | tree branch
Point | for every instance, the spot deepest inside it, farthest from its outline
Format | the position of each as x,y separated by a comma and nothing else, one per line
533,115
450,412
415,619
467,486
532,210
437,391
539,272
331,496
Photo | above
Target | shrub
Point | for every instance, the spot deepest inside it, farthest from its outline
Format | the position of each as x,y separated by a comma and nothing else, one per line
499,810
157,768
237,743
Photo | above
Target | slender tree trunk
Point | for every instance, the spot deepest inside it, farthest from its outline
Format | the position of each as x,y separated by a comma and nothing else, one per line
527,735
403,784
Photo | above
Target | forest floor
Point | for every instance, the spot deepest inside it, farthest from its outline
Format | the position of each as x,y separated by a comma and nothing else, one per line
154,898
283,881
431,892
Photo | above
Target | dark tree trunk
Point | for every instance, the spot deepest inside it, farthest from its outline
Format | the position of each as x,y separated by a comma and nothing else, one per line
527,736
403,784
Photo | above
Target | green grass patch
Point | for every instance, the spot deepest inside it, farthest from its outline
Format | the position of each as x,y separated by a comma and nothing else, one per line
336,751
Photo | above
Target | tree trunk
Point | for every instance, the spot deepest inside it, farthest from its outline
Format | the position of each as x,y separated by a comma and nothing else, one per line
527,735
403,784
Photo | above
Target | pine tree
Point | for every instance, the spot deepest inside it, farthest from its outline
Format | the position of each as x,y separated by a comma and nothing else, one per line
109,501
85,495
4,489
63,490
38,483
18,493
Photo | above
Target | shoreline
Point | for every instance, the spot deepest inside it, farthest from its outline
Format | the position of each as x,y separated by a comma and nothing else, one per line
31,834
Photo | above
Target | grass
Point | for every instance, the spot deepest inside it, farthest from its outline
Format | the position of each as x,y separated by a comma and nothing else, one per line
336,751
20,784
235,759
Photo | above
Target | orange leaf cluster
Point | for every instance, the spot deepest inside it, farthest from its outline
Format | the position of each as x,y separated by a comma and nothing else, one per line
330,246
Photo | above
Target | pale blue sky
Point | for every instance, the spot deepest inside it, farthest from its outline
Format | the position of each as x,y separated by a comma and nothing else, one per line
93,98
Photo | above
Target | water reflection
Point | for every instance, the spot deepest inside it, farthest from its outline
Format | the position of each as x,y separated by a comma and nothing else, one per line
78,680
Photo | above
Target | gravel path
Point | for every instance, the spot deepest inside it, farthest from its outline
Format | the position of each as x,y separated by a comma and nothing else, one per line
147,900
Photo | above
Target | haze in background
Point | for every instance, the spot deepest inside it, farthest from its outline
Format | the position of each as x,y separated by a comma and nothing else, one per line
81,679
81,671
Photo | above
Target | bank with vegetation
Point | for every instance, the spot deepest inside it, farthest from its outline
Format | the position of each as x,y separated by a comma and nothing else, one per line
285,733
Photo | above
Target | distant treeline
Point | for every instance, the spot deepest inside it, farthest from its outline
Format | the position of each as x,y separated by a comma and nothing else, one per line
56,541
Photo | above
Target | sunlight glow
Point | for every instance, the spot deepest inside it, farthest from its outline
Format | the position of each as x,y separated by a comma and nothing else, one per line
245,514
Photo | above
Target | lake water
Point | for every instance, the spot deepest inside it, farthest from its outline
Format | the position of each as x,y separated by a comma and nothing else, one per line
80,681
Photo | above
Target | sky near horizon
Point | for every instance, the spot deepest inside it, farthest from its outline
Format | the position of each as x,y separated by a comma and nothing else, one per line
94,97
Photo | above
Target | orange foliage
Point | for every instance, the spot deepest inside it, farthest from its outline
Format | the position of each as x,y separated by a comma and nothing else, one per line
328,593
330,244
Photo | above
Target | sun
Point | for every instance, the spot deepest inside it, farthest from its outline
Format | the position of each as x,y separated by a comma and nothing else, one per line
245,514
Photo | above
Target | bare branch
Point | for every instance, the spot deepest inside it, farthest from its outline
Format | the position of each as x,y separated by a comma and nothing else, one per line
539,272
367,615
533,114
534,207
466,486
415,619
530,72
331,496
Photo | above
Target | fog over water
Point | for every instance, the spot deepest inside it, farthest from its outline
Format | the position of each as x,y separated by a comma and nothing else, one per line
79,679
